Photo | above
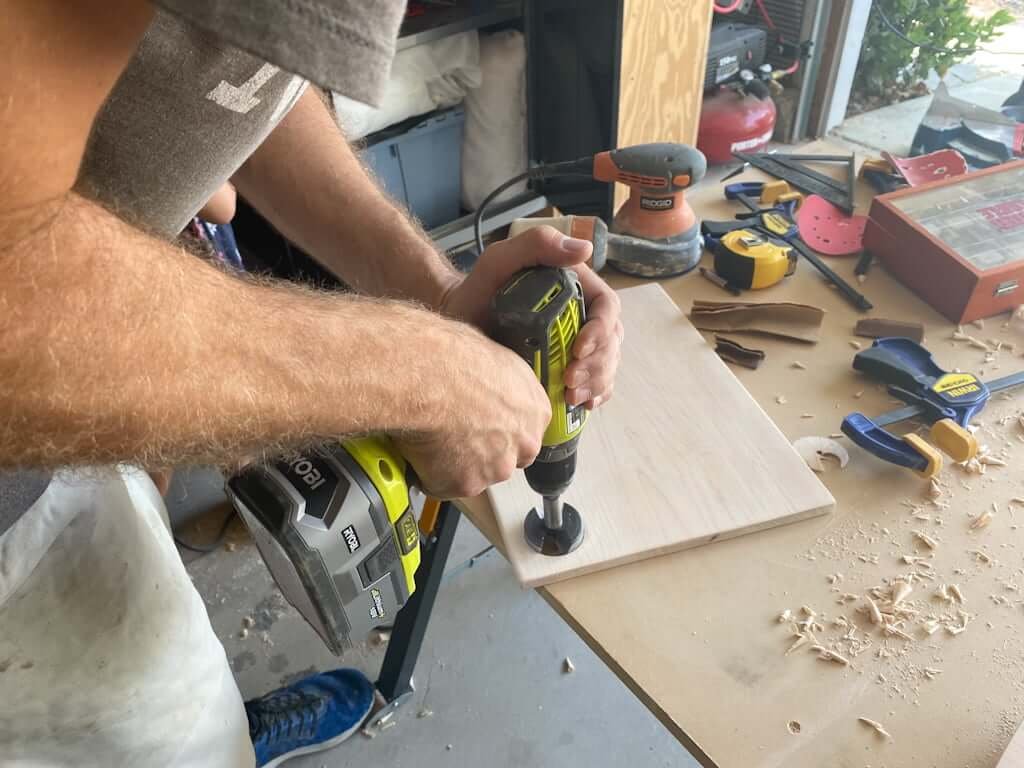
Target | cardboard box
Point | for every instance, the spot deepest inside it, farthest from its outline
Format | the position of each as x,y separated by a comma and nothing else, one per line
958,243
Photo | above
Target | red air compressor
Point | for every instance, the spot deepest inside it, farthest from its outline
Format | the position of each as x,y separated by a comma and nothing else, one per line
734,120
738,113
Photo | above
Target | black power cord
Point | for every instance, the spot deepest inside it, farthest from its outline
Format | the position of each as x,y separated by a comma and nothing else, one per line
584,166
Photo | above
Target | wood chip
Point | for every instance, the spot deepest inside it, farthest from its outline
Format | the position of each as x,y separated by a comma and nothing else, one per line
991,461
959,335
954,590
931,672
858,395
567,666
781,399
732,351
876,726
981,521
877,327
873,612
800,641
934,489
798,365
826,655
900,591
855,344
925,539
982,557
786,615
423,714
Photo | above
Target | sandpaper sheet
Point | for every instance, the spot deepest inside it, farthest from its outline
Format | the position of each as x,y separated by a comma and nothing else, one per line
787,320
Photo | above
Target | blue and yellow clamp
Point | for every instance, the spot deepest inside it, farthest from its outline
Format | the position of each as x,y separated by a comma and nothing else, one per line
946,401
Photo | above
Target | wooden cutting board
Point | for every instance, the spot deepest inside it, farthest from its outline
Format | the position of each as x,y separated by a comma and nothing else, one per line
681,456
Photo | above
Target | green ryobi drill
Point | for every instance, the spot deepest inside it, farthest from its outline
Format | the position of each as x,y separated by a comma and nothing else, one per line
538,314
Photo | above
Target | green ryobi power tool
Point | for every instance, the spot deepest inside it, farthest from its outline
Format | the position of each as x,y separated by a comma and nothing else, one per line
538,314
336,525
338,533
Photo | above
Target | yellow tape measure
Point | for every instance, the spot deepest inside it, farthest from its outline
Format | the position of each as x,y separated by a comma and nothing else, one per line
748,259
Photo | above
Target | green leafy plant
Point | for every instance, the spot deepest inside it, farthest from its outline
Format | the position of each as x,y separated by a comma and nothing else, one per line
890,66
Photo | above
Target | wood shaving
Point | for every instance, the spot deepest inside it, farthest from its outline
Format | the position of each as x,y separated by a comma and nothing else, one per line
798,365
567,666
931,627
991,461
813,449
800,641
934,489
423,714
981,521
855,344
806,415
979,324
973,467
942,592
807,611
925,539
916,560
981,556
959,335
876,726
826,655
894,631
954,590
873,612
858,395
781,399
931,672
786,615
900,592
847,597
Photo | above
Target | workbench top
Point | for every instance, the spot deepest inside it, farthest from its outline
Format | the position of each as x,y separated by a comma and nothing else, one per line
695,635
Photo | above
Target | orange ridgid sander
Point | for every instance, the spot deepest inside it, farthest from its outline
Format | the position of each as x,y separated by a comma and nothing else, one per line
655,233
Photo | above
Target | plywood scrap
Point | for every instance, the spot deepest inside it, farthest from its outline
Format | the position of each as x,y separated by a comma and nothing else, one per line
876,726
732,351
787,320
878,327
813,449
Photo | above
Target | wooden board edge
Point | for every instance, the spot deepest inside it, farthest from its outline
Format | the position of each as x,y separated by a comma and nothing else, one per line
586,570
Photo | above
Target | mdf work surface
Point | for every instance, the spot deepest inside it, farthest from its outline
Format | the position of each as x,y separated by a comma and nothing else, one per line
695,635
682,455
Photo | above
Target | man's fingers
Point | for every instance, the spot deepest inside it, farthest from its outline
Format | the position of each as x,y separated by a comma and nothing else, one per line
538,246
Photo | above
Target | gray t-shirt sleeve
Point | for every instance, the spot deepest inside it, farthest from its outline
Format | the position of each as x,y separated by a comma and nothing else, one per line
344,45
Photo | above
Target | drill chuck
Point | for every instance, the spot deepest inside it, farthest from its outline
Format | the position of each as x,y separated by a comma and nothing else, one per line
553,476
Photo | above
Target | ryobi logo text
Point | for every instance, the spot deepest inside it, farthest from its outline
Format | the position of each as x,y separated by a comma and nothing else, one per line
306,472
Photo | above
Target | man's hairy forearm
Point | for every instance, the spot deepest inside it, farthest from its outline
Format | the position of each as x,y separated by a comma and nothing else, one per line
118,347
306,180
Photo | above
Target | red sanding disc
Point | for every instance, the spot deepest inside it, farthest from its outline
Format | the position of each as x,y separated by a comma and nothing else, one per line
828,229
930,167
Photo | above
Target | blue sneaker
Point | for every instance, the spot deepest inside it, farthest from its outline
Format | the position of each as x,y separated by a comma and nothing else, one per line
315,713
